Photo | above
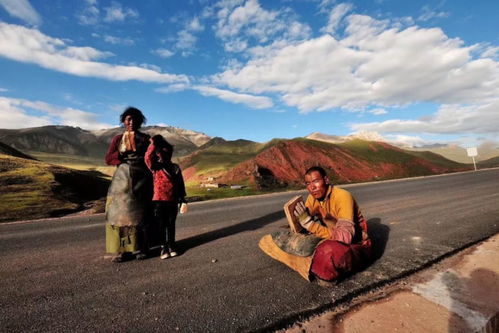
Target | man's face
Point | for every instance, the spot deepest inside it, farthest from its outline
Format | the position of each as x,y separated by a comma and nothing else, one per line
316,184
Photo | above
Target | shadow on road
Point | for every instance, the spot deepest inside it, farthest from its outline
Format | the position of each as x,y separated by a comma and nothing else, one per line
191,242
378,233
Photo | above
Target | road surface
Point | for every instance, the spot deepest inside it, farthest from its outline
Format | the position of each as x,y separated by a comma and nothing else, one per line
54,275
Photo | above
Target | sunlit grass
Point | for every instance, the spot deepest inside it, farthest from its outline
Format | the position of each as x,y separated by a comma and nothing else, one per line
25,189
32,189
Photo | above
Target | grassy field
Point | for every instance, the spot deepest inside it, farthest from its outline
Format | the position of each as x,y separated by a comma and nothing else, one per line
67,159
32,189
223,156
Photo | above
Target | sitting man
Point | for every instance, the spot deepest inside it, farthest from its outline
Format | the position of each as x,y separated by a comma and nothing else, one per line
333,217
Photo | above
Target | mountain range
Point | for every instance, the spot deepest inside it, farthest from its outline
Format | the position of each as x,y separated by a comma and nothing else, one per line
281,162
486,150
52,143
49,189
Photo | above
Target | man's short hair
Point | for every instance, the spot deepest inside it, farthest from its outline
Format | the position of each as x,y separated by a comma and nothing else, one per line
318,169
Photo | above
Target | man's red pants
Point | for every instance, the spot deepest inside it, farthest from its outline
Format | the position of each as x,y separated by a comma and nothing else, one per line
333,259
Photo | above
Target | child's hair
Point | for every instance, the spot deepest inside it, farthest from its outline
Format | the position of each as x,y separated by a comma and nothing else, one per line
160,143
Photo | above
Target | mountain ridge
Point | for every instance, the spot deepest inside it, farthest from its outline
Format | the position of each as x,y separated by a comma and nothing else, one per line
74,141
281,163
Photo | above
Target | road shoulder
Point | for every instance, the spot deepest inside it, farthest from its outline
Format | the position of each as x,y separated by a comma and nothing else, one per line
459,294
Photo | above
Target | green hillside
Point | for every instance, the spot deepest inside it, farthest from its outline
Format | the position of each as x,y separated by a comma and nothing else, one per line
489,163
221,155
31,189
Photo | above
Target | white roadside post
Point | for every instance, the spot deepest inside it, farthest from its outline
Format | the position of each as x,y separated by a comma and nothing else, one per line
472,152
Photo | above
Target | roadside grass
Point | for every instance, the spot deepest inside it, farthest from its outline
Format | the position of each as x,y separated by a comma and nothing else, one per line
196,193
75,162
67,158
489,163
25,190
436,159
32,189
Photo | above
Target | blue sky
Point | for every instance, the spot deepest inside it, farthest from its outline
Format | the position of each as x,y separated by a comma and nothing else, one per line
411,71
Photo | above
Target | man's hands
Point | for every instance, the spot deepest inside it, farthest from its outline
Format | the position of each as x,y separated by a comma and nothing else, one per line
302,215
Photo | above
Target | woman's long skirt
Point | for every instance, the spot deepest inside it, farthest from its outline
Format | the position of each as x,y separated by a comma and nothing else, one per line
127,206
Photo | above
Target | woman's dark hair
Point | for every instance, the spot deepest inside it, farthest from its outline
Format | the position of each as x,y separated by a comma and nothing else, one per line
319,169
136,114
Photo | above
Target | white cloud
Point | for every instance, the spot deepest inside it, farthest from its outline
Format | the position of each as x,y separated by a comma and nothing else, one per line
12,115
90,14
186,40
118,40
256,102
449,119
23,10
244,23
150,66
21,113
325,5
173,88
378,111
375,64
32,46
194,25
429,13
407,140
118,107
335,17
163,53
3,90
491,52
116,13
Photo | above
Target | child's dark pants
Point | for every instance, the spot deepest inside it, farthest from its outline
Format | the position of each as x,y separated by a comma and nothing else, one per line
165,214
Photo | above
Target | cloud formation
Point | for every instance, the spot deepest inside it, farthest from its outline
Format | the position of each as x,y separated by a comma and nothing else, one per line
480,119
375,64
32,46
255,102
335,17
428,13
22,113
23,10
241,24
116,13
163,53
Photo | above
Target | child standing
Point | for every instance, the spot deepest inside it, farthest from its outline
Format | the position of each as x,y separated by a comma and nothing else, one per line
169,192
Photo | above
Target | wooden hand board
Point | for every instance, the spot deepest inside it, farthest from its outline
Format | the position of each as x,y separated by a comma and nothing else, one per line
289,208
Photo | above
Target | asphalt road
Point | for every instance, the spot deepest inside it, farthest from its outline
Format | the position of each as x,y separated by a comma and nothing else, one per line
54,275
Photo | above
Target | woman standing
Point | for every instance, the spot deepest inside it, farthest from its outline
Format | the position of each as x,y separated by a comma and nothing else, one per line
129,195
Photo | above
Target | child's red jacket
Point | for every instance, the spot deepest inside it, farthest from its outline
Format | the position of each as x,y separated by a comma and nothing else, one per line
168,181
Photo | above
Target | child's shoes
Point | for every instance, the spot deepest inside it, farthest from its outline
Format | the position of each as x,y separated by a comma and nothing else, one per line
165,254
